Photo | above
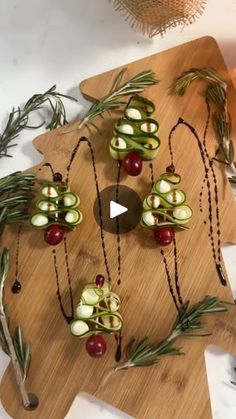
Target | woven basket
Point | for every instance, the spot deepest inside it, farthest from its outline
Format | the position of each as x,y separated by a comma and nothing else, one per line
154,17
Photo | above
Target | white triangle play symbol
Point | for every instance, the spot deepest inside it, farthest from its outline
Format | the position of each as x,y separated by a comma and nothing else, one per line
116,209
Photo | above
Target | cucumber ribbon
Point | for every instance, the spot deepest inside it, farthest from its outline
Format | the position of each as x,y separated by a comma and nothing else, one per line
97,312
166,204
57,205
136,131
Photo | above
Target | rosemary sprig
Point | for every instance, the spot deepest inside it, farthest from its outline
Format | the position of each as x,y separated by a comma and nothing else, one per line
181,84
19,117
14,195
113,99
140,353
15,347
216,92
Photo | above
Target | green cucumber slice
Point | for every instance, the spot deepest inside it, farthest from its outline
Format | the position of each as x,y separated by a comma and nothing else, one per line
39,220
46,206
152,201
146,106
73,217
182,213
149,126
176,197
112,322
79,328
84,311
71,200
124,127
162,187
134,114
173,178
90,296
49,191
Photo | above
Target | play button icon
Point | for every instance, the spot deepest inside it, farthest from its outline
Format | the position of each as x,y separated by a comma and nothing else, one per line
116,209
121,214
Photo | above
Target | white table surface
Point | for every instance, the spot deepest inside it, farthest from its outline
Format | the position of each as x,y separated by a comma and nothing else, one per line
43,42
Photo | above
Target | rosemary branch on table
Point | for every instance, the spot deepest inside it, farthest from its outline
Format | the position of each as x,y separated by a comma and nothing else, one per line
19,117
14,346
113,99
14,195
216,92
140,353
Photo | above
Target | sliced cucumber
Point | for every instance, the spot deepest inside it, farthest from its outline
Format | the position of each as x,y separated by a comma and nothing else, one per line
173,178
124,127
73,217
79,328
46,206
90,296
182,213
118,143
39,220
149,218
146,106
150,125
112,322
134,114
70,200
162,186
176,197
84,311
152,201
49,191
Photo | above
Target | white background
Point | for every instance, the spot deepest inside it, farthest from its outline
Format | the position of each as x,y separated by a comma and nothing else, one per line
43,42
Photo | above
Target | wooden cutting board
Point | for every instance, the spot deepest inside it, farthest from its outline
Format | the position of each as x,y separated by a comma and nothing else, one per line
176,387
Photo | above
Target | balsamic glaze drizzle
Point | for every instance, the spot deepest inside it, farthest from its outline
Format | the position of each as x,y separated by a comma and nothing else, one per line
177,285
16,287
68,276
118,225
50,167
67,318
178,303
169,281
152,174
72,157
208,167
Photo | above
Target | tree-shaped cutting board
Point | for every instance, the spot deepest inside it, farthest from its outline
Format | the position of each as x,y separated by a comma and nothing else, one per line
177,386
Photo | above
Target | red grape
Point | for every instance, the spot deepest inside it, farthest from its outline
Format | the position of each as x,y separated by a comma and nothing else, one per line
54,234
164,235
96,346
132,164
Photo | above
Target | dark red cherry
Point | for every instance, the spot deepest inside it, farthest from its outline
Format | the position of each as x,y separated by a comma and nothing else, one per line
100,280
54,234
96,346
133,164
164,235
170,168
57,177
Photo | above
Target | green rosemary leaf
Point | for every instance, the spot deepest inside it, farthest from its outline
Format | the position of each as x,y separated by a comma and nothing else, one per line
27,360
4,258
181,84
19,117
217,94
113,100
14,195
118,79
141,353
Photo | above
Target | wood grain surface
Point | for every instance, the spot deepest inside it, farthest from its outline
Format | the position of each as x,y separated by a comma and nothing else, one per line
176,387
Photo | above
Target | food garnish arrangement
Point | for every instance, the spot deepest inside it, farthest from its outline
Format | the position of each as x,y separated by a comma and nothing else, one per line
167,213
